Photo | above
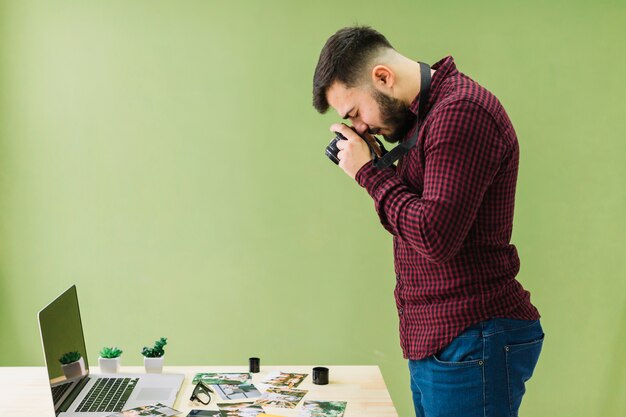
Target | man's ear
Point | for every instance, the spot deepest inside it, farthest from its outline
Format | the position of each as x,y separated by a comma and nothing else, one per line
383,77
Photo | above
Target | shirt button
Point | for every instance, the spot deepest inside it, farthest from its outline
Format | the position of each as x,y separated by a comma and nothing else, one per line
400,311
480,362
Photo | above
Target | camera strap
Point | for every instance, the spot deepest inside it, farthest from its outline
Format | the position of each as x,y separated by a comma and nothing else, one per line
404,147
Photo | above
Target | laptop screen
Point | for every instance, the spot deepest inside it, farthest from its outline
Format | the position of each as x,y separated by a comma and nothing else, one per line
63,339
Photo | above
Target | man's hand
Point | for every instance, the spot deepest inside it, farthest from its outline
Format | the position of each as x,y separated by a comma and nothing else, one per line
353,152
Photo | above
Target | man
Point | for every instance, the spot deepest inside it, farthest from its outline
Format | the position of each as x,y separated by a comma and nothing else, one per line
467,326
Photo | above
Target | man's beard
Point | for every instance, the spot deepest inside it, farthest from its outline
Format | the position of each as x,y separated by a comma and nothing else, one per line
395,115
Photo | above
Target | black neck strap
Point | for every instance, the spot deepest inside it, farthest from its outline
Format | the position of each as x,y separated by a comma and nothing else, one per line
404,147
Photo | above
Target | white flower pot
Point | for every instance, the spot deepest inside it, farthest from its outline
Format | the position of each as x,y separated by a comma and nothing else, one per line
74,369
153,365
109,365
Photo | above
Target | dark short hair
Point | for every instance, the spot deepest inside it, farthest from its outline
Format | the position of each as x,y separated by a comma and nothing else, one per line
344,58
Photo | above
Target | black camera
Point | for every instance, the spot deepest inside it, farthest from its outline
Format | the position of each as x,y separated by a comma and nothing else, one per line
332,150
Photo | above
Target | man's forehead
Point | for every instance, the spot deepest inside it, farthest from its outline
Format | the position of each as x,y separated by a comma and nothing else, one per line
341,98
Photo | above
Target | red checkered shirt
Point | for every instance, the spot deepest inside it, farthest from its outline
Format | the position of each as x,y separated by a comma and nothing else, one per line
449,206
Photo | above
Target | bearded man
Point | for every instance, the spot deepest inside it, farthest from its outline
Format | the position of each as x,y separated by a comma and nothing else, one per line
467,327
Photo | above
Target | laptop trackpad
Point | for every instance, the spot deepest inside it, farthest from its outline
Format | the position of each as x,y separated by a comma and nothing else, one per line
153,393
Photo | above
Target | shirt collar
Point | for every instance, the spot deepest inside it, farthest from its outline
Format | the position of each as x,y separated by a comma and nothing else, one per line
444,68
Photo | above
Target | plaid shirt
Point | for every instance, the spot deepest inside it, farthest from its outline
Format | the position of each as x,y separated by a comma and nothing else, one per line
449,206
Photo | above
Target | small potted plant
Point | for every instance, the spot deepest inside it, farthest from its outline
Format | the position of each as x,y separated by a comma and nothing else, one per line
72,364
153,357
109,360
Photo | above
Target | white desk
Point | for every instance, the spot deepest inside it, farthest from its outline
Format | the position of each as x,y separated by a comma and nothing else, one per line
25,392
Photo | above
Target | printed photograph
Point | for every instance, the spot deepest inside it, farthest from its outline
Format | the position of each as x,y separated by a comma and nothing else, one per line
156,410
204,413
323,409
240,409
221,378
236,392
284,379
282,397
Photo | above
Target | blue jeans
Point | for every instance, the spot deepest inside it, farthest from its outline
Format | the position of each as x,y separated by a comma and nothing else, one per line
482,372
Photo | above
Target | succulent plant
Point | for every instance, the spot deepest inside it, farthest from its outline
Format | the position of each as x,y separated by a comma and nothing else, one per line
156,351
69,357
110,352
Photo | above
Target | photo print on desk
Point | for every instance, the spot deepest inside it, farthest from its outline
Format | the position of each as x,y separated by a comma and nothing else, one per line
154,410
241,409
236,392
214,378
282,397
323,409
204,413
284,379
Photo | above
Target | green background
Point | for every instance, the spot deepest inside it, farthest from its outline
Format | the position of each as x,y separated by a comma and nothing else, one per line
165,157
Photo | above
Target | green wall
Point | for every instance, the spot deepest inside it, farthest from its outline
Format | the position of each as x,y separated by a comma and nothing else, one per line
165,157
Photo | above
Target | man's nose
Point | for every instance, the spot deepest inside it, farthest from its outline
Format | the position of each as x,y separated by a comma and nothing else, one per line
360,127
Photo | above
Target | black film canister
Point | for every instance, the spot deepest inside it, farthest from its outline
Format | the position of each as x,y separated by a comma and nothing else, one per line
255,365
320,375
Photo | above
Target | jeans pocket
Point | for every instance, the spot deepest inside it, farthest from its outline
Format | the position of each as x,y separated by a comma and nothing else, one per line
521,359
466,349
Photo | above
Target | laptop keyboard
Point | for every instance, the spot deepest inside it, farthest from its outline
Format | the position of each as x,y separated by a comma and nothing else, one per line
108,394
59,390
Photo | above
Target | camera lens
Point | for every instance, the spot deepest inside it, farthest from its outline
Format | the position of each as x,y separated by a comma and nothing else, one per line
332,150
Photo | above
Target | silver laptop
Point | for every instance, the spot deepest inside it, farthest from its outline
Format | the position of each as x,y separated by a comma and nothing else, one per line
75,391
